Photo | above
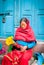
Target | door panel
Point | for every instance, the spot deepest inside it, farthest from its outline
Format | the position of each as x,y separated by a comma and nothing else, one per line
8,5
39,18
7,28
16,13
40,4
41,25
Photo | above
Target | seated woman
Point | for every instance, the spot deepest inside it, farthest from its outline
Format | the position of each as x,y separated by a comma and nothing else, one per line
25,37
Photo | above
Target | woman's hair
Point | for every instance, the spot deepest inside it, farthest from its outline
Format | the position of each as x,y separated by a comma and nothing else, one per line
25,20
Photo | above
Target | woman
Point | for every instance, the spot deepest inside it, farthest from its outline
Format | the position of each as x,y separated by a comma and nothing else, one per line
25,38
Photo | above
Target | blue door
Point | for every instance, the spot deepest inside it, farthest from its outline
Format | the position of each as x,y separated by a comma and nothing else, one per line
34,11
31,9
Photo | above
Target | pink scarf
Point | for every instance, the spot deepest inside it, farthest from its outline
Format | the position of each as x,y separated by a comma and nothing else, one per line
26,34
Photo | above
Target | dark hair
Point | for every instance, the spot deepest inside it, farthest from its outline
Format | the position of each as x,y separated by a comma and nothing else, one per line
23,19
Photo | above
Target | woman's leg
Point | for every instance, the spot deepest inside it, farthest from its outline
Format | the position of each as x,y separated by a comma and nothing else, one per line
26,57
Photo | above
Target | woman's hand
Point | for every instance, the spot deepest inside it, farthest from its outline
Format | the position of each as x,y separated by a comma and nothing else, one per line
23,48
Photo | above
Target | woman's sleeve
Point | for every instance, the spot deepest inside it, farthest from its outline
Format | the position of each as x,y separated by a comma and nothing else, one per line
23,43
28,44
31,44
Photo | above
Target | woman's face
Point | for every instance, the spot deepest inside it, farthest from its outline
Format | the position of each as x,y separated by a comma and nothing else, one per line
23,25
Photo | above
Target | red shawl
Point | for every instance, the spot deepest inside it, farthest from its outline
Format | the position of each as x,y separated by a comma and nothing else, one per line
26,34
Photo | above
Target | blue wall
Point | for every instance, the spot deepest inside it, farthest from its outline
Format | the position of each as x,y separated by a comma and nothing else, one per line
32,9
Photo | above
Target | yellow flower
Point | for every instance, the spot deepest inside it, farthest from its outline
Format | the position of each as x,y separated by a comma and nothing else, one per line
9,41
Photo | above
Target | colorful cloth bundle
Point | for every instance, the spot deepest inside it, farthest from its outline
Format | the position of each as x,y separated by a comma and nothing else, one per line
2,50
